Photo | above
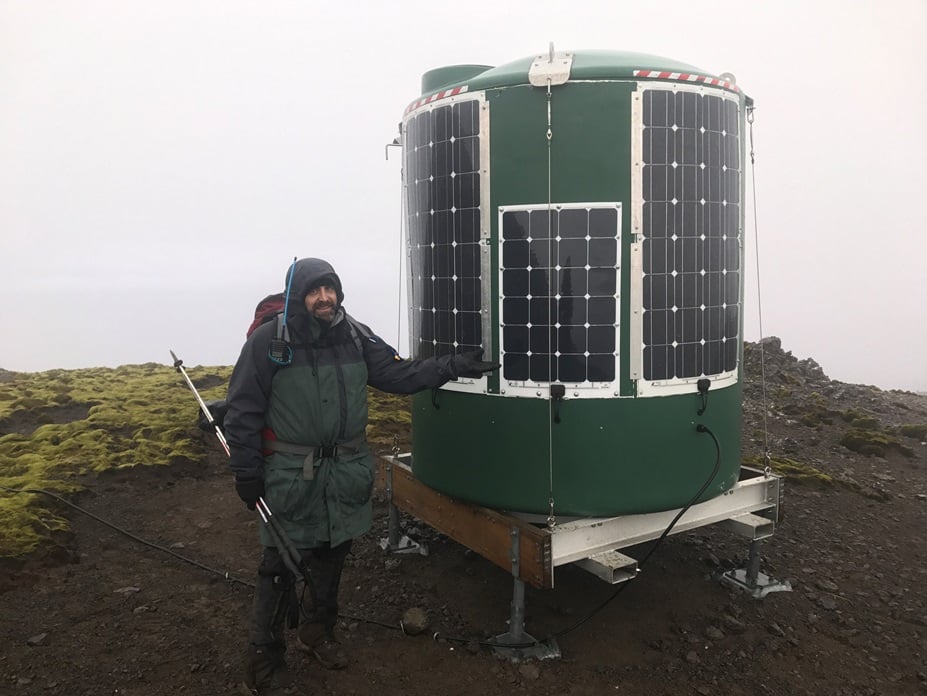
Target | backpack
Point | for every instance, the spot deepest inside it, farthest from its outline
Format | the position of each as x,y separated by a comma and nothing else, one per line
266,309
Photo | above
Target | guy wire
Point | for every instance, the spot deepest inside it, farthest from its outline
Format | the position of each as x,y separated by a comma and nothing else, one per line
552,280
759,301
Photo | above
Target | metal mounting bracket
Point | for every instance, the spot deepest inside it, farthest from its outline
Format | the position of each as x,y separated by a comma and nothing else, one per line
517,645
393,542
404,545
611,566
751,580
550,68
758,588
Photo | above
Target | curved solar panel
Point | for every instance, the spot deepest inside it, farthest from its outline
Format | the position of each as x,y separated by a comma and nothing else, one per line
559,276
691,234
442,171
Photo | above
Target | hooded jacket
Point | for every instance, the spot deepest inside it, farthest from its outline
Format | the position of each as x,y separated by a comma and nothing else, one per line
319,399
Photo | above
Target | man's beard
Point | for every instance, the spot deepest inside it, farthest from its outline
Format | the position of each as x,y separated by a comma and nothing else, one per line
324,312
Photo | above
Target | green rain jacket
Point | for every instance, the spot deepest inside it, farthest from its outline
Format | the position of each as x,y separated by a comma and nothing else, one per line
318,400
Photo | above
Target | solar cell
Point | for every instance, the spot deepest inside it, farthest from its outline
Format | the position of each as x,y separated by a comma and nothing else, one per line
691,234
559,281
442,168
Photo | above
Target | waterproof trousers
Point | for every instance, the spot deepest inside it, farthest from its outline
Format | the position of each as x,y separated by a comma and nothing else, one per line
274,598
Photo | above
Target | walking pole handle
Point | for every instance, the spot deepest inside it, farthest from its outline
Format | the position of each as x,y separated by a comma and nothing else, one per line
178,365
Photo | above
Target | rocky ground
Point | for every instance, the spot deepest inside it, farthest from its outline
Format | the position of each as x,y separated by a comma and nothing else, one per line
109,613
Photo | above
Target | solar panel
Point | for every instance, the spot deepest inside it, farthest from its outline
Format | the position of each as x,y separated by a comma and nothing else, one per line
691,183
559,286
442,173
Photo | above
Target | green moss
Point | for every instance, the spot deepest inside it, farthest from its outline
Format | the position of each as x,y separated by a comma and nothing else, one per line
870,442
791,469
812,413
73,422
850,415
860,420
28,520
917,431
88,421
865,423
389,421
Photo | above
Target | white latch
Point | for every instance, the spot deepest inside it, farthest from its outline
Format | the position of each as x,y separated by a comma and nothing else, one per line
550,68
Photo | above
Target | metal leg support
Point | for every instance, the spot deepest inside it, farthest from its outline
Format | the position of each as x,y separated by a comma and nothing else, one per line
516,644
394,542
751,580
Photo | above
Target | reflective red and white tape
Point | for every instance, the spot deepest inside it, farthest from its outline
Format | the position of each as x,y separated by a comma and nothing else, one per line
687,77
435,97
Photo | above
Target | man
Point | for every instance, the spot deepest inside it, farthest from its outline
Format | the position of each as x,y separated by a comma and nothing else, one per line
297,414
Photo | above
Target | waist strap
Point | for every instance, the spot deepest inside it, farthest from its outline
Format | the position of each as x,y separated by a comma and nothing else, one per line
317,451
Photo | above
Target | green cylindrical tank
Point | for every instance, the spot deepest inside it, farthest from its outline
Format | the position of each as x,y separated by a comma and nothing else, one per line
578,216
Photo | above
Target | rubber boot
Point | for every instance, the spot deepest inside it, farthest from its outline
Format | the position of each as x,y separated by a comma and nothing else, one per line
265,653
316,633
261,663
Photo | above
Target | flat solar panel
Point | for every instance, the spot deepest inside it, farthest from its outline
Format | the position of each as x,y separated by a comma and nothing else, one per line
442,171
691,234
559,280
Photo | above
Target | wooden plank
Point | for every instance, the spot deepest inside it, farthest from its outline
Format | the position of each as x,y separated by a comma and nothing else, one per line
487,532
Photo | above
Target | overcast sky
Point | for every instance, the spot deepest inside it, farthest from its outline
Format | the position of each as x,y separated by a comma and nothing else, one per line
161,162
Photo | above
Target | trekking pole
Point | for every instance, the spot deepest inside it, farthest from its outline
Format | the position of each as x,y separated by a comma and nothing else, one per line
178,364
288,550
291,556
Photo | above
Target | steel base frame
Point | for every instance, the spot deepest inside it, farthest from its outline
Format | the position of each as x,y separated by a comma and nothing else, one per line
750,509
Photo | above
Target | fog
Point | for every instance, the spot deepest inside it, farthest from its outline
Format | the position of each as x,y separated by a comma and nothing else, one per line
161,163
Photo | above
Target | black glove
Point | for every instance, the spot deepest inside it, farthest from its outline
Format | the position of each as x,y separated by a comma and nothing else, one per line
471,365
249,489
217,409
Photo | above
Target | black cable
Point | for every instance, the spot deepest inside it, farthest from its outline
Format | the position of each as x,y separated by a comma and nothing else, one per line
559,634
369,621
224,574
